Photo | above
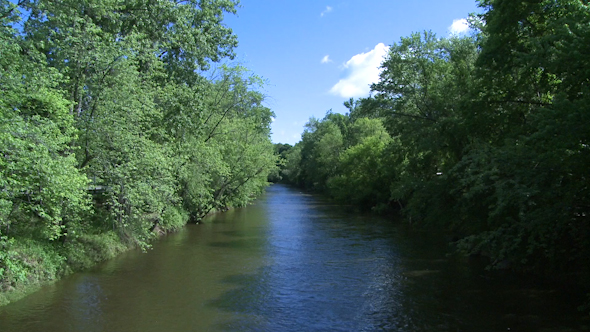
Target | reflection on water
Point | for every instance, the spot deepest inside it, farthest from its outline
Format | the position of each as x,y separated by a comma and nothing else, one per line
292,262
86,305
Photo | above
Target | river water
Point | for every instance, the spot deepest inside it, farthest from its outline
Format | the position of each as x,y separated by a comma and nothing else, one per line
293,262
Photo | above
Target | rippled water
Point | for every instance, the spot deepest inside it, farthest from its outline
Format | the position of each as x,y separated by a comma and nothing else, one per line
292,262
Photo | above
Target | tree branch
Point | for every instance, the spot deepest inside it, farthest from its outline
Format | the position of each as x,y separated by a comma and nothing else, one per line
18,4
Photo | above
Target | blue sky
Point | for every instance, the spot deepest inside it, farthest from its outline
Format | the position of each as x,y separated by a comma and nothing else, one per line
317,54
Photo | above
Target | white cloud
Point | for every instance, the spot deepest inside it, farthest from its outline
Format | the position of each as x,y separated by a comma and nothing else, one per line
326,11
459,26
326,59
361,70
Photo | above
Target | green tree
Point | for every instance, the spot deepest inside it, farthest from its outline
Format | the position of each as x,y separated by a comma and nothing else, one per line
529,185
363,168
424,89
110,131
321,144
280,150
226,150
40,183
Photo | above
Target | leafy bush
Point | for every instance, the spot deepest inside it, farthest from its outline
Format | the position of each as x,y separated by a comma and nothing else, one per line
89,249
173,219
26,262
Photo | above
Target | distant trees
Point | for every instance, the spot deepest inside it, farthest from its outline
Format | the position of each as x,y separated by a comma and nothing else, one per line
342,157
110,131
486,135
281,150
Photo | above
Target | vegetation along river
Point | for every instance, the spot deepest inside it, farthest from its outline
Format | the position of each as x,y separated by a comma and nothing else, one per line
292,262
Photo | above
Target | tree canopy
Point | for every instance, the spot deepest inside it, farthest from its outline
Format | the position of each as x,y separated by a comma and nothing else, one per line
117,122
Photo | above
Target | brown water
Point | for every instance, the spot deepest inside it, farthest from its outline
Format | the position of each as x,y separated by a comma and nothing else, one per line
292,262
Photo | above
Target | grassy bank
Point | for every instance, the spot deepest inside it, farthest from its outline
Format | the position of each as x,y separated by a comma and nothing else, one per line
29,262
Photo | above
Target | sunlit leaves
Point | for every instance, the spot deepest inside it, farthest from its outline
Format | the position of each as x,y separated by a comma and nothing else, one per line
109,129
40,185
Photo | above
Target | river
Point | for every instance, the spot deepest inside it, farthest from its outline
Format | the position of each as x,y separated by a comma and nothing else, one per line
293,262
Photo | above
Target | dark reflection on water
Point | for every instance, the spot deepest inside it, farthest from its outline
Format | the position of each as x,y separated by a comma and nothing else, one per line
292,262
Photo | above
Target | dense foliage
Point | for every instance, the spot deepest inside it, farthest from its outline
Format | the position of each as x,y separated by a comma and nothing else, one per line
114,128
487,135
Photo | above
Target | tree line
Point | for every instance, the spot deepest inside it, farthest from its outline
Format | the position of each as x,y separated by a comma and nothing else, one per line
115,126
487,135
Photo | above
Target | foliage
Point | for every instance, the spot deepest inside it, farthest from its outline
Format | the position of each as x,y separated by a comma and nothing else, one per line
363,166
280,150
111,132
38,175
91,247
28,262
487,135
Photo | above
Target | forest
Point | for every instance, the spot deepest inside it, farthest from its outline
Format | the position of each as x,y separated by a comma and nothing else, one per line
119,122
485,135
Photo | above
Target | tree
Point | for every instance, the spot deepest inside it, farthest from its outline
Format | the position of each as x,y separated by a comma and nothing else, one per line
363,170
110,131
424,88
321,144
280,150
40,183
226,149
535,99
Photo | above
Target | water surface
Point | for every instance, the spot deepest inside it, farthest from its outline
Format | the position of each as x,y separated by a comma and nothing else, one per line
292,262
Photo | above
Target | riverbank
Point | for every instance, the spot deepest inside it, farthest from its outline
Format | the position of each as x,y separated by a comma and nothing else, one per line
32,263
